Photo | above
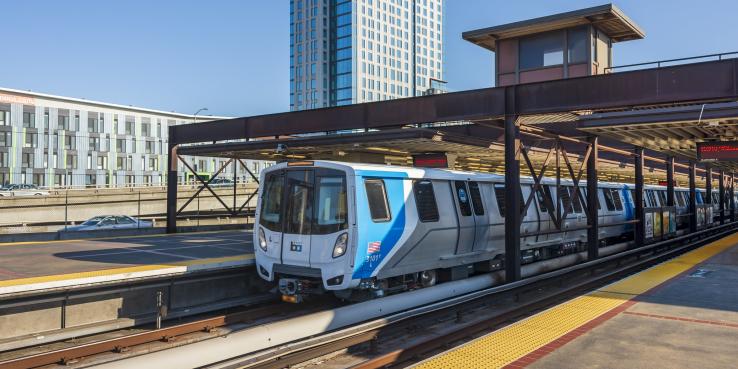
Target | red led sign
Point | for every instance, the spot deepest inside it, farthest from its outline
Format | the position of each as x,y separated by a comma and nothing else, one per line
713,151
430,160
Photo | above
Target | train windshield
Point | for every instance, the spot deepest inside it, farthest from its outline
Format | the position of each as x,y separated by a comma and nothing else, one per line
305,201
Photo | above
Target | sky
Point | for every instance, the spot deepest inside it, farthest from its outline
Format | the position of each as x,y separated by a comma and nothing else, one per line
232,56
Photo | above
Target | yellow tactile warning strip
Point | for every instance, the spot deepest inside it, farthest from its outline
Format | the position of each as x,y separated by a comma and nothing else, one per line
511,346
123,271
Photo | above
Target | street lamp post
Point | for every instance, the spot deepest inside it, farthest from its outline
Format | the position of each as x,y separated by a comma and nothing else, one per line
198,112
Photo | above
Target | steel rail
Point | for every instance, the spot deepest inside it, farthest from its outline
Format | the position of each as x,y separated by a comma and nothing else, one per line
334,341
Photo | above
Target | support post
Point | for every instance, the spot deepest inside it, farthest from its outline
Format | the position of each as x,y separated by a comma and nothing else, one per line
721,193
235,178
172,186
592,219
670,181
708,184
639,213
512,191
692,197
732,197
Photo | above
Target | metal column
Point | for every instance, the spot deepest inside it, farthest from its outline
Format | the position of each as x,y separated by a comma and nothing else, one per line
512,192
670,181
692,197
639,214
721,193
172,187
708,185
592,220
732,197
235,178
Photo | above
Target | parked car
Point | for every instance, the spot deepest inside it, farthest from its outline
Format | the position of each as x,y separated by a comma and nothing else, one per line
22,190
111,222
221,182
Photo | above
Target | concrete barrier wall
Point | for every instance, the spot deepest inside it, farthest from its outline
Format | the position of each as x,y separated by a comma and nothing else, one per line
17,213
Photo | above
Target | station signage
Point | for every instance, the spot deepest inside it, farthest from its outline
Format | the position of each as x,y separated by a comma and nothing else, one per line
665,183
434,160
714,151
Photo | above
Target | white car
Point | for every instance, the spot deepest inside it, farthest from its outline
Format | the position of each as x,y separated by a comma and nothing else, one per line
22,190
111,222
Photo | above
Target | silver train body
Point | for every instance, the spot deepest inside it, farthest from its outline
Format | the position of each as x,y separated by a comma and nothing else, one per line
363,230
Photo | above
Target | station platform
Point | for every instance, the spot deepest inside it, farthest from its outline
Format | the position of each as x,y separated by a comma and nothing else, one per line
682,313
36,266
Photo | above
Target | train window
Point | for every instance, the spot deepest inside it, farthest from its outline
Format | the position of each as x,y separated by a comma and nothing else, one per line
616,198
543,194
377,197
500,195
463,196
299,197
271,202
609,202
476,198
679,198
662,197
331,205
566,199
425,201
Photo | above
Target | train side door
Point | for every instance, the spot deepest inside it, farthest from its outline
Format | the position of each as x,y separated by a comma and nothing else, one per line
481,217
467,225
298,217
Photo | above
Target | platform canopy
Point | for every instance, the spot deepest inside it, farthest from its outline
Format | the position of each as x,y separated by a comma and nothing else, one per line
673,131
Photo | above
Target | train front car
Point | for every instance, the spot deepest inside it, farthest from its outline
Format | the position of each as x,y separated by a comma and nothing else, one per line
304,228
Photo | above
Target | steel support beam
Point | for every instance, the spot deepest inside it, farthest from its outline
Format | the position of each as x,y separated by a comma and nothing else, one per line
592,220
708,184
639,214
172,188
721,192
512,197
235,179
692,197
732,197
670,181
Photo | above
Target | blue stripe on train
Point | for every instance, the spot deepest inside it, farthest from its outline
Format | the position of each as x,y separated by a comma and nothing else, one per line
385,233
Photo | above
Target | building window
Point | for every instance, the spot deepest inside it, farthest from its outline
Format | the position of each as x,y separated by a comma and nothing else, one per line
94,143
129,127
29,120
120,145
70,142
4,156
31,140
146,129
27,160
71,161
46,120
577,45
102,162
4,118
153,164
149,147
6,139
64,122
541,51
92,126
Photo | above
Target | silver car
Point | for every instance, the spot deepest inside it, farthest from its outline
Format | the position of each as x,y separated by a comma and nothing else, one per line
111,222
22,190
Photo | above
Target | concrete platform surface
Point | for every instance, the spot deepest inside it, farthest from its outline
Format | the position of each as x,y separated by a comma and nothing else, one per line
680,314
26,266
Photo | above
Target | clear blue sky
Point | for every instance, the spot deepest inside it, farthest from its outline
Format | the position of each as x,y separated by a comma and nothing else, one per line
233,56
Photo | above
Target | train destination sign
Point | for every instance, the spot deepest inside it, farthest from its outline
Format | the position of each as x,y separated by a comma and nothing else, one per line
431,160
714,151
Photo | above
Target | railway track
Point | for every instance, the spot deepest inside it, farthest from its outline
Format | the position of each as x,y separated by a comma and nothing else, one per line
384,342
398,342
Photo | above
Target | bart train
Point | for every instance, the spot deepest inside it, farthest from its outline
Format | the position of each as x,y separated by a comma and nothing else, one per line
362,230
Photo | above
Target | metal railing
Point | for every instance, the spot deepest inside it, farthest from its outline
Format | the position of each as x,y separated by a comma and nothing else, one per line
669,62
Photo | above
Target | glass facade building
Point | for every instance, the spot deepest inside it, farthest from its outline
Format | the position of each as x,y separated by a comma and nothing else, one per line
353,51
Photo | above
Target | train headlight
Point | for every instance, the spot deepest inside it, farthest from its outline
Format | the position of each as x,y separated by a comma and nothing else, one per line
262,240
341,244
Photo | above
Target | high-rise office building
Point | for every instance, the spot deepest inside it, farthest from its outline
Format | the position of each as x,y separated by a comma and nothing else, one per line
353,51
